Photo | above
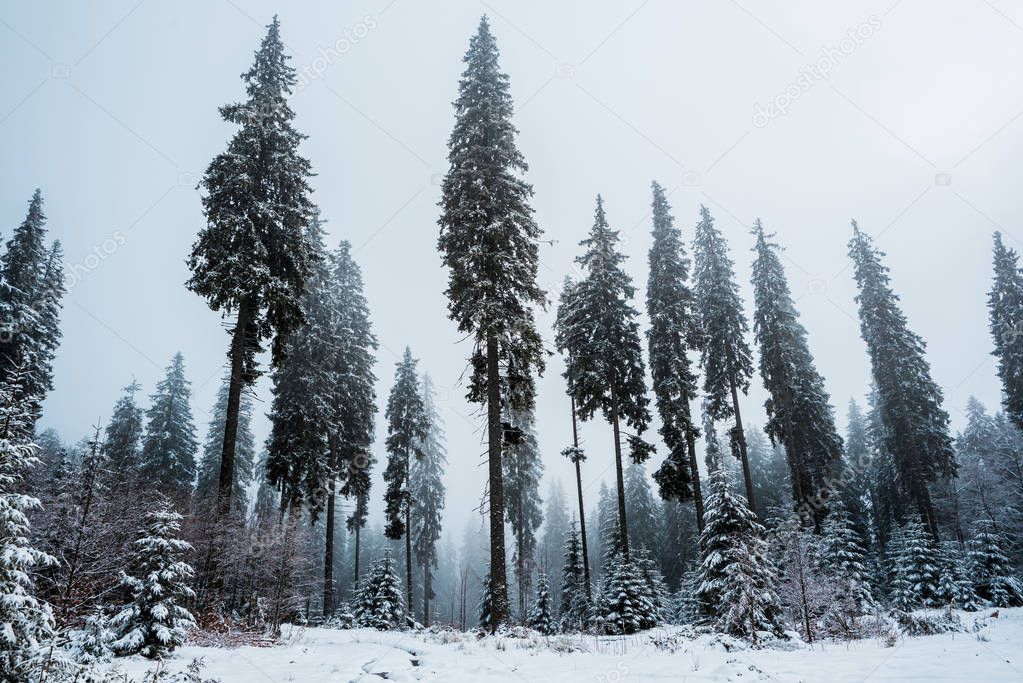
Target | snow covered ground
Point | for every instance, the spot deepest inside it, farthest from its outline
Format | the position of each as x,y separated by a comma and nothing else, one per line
991,654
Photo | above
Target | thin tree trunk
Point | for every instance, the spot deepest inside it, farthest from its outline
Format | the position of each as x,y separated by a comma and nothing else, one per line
498,572
582,512
408,557
740,437
426,595
234,398
328,556
520,565
802,592
357,534
694,472
619,476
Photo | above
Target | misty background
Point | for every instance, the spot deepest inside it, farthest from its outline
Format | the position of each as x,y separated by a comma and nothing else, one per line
111,108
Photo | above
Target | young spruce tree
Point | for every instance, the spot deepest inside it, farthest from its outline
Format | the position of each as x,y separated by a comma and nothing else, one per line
169,445
123,443
154,622
489,242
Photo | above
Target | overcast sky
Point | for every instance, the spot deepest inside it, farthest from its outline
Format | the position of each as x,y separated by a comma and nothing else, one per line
806,114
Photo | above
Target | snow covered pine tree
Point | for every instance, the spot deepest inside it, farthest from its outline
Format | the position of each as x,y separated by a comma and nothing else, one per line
154,622
490,244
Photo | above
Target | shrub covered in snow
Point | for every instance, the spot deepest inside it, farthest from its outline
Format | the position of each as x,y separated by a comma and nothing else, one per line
378,600
154,622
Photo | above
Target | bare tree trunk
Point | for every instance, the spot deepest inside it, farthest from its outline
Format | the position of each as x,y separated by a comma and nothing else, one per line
694,472
498,572
234,397
408,557
619,476
357,535
582,512
740,437
426,595
328,556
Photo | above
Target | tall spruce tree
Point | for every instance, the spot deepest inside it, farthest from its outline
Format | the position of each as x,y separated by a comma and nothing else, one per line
673,332
408,428
299,446
523,469
353,404
324,399
725,354
489,242
915,425
208,475
799,415
253,258
574,452
31,288
123,443
1005,308
427,490
600,334
169,445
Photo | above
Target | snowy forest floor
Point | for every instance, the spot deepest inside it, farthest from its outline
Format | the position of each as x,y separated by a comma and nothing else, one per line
988,651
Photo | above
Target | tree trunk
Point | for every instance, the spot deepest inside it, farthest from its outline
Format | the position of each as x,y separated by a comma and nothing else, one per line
740,437
619,477
582,512
694,472
520,568
925,507
328,556
357,534
426,595
408,556
498,572
234,398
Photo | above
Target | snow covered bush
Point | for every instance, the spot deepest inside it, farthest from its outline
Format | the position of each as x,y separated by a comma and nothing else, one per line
993,578
540,618
378,601
154,622
625,604
914,564
91,643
